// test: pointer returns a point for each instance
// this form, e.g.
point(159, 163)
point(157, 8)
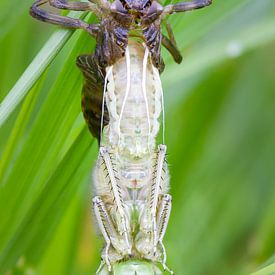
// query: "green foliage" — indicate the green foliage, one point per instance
point(220, 137)
point(266, 270)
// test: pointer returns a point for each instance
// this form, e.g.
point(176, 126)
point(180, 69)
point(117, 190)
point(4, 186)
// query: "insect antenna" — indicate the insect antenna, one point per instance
point(109, 71)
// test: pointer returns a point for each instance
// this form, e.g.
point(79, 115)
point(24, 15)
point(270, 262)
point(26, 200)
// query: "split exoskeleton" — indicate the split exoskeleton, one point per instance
point(119, 21)
point(122, 101)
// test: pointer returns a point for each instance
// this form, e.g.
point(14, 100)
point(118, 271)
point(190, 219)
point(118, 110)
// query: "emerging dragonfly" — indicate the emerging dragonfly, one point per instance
point(122, 101)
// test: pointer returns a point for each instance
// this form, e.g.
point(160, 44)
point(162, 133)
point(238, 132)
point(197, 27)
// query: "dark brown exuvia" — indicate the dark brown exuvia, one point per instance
point(119, 20)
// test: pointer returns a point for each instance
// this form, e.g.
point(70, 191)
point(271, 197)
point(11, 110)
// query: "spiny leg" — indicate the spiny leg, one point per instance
point(105, 226)
point(185, 6)
point(155, 215)
point(148, 220)
point(162, 222)
point(56, 19)
point(115, 189)
point(155, 190)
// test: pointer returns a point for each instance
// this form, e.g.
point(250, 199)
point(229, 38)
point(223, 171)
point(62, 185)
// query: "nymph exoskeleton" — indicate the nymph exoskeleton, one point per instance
point(122, 101)
point(119, 21)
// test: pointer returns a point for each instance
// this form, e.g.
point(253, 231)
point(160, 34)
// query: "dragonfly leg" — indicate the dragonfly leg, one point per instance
point(76, 6)
point(106, 227)
point(185, 6)
point(172, 48)
point(60, 20)
point(170, 43)
point(122, 220)
point(165, 205)
point(170, 33)
point(155, 190)
point(148, 238)
point(96, 6)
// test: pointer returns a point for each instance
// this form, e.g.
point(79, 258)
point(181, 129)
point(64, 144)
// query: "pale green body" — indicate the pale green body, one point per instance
point(131, 177)
point(133, 268)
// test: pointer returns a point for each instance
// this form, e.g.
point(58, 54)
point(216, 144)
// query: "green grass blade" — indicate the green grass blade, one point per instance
point(17, 133)
point(49, 151)
point(53, 199)
point(34, 71)
point(268, 270)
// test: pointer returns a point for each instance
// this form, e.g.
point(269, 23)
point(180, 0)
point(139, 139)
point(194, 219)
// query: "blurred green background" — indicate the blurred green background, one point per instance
point(220, 133)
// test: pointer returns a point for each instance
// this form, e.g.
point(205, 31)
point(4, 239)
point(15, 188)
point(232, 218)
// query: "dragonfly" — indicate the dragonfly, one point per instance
point(122, 102)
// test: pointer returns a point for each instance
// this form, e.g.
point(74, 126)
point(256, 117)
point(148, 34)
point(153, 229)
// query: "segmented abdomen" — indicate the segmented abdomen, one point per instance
point(134, 100)
point(92, 93)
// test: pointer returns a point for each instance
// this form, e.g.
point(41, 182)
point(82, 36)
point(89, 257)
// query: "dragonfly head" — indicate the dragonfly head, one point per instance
point(136, 5)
